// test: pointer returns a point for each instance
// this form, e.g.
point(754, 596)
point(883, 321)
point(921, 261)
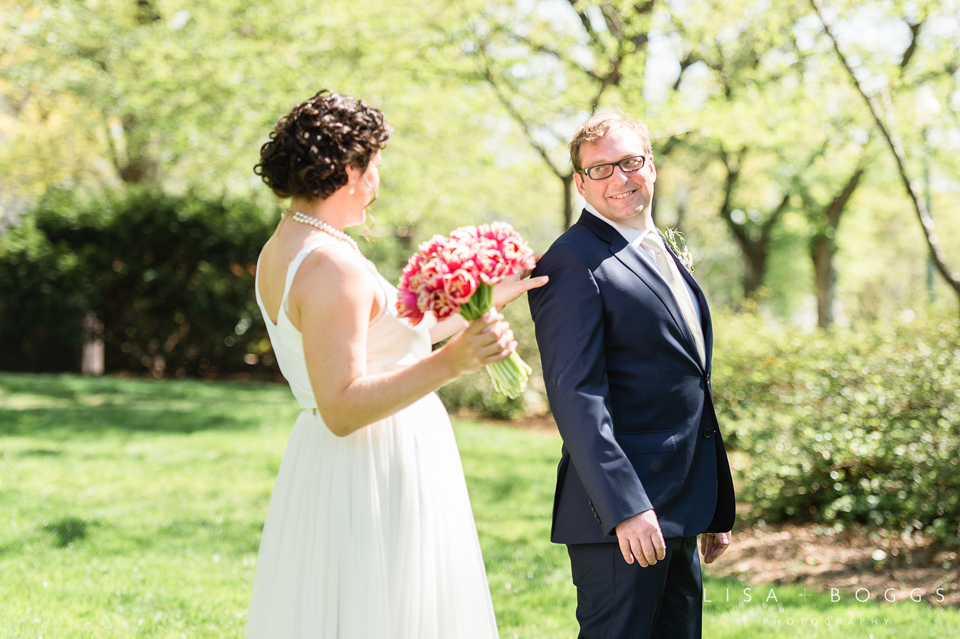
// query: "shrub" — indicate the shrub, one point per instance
point(42, 303)
point(170, 277)
point(847, 426)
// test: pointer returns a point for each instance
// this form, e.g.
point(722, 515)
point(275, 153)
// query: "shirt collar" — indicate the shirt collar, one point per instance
point(631, 235)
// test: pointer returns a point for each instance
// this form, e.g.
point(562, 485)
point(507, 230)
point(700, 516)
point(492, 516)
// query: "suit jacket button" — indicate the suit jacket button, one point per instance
point(707, 434)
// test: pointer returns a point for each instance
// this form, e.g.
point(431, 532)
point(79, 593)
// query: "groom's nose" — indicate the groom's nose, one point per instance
point(619, 176)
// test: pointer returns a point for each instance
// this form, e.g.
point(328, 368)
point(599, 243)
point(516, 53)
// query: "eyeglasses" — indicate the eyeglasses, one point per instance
point(627, 165)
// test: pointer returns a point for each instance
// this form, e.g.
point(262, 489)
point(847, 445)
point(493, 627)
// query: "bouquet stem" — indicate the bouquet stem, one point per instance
point(509, 376)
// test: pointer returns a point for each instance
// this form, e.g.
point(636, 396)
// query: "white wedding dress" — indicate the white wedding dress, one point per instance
point(369, 536)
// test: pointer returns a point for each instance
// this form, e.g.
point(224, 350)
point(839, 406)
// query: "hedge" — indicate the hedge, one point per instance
point(169, 277)
point(850, 426)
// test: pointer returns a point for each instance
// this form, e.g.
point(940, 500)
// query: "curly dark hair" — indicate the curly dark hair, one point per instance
point(310, 147)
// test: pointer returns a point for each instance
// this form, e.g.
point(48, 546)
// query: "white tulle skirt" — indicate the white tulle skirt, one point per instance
point(371, 536)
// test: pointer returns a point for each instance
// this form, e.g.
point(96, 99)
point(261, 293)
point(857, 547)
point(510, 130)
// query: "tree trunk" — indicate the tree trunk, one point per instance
point(653, 206)
point(756, 255)
point(133, 159)
point(754, 243)
point(91, 361)
point(683, 200)
point(823, 249)
point(823, 246)
point(567, 200)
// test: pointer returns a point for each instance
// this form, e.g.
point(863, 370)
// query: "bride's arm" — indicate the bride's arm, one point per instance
point(441, 330)
point(333, 300)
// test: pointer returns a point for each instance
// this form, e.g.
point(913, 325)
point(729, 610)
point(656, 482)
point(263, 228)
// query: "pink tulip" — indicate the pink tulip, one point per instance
point(459, 286)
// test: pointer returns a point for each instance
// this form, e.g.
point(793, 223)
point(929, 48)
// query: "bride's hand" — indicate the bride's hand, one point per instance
point(485, 341)
point(513, 287)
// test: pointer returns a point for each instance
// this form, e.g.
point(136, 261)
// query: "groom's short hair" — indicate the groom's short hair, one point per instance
point(599, 125)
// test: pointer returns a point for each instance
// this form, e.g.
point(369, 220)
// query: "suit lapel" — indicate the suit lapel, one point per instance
point(706, 324)
point(629, 257)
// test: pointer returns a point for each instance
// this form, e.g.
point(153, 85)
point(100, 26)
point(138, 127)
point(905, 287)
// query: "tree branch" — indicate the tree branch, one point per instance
point(685, 64)
point(912, 47)
point(726, 207)
point(539, 47)
point(839, 203)
point(588, 27)
point(674, 140)
point(609, 80)
point(616, 25)
point(112, 148)
point(926, 222)
point(524, 125)
point(777, 213)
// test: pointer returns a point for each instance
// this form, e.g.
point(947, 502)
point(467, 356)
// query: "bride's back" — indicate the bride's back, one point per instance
point(275, 259)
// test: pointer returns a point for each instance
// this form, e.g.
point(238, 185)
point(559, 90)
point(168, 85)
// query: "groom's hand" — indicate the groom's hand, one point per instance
point(712, 545)
point(640, 538)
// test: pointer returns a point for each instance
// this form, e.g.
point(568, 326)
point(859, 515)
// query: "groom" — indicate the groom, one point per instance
point(625, 339)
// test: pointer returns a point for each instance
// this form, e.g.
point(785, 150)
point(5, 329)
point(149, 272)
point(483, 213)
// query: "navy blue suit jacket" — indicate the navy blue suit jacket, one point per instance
point(630, 396)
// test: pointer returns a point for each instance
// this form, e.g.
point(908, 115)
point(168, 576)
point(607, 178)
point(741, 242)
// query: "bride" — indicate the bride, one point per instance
point(369, 532)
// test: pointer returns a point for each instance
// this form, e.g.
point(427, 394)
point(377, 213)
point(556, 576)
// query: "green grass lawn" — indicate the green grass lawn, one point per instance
point(132, 508)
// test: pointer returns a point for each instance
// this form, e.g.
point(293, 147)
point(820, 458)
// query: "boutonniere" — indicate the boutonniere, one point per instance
point(678, 244)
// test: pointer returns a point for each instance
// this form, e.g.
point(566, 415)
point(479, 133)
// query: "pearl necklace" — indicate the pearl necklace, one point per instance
point(326, 228)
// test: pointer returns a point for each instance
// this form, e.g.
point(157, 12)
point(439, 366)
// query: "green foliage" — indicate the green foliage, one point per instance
point(847, 426)
point(92, 95)
point(171, 278)
point(482, 92)
point(41, 304)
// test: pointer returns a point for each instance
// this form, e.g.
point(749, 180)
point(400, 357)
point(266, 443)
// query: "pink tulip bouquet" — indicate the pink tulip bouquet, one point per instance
point(457, 273)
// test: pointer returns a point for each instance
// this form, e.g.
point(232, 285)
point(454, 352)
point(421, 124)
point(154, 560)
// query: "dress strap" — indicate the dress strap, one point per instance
point(295, 265)
point(256, 280)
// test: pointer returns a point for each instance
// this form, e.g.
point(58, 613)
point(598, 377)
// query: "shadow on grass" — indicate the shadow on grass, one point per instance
point(81, 419)
point(41, 452)
point(67, 531)
point(69, 386)
point(62, 404)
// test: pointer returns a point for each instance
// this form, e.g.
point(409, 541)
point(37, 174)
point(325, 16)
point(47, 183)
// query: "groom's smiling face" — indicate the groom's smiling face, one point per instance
point(622, 197)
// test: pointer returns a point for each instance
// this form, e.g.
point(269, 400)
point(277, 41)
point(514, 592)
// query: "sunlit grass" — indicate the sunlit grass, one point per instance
point(132, 508)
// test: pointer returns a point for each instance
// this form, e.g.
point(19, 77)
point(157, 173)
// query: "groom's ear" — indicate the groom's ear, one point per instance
point(578, 180)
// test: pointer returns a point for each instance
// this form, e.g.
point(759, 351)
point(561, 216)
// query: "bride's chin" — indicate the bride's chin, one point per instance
point(357, 221)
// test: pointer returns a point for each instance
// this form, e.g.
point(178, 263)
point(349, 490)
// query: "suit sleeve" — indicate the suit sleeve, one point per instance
point(568, 315)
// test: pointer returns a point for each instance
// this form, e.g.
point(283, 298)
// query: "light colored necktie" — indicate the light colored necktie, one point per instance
point(671, 275)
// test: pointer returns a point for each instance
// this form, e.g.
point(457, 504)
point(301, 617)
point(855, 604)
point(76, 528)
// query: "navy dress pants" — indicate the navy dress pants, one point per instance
point(617, 600)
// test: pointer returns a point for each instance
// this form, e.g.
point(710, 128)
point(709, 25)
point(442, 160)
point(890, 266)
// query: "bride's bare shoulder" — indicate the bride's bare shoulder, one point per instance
point(332, 272)
point(331, 263)
point(328, 270)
